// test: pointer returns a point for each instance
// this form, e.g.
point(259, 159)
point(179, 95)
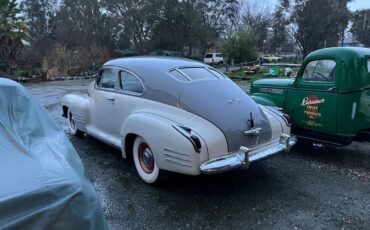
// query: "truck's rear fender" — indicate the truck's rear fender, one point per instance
point(78, 105)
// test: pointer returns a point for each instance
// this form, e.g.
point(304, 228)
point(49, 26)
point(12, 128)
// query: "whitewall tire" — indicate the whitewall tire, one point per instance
point(144, 161)
point(72, 125)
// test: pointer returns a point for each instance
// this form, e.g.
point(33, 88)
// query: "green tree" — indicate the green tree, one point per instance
point(319, 23)
point(79, 19)
point(135, 18)
point(241, 46)
point(12, 30)
point(38, 14)
point(172, 24)
point(279, 23)
point(361, 26)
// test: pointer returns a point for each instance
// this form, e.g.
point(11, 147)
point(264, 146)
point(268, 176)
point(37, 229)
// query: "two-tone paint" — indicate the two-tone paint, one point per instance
point(186, 123)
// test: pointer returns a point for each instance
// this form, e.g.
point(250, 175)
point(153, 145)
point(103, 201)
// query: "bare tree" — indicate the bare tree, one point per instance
point(257, 16)
point(361, 26)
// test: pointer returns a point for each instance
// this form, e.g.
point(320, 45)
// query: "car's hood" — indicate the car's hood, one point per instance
point(275, 82)
point(228, 107)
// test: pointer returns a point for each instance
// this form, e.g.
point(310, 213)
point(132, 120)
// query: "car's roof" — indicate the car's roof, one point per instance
point(153, 63)
point(154, 74)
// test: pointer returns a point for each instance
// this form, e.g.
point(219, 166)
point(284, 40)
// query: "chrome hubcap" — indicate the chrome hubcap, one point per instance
point(146, 158)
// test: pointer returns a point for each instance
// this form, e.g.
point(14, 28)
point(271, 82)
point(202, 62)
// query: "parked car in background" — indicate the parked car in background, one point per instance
point(43, 184)
point(177, 115)
point(329, 100)
point(270, 58)
point(214, 58)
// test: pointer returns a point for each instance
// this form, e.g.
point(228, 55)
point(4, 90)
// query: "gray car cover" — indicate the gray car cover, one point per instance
point(43, 184)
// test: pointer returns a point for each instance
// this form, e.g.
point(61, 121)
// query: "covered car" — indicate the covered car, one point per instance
point(178, 115)
point(43, 184)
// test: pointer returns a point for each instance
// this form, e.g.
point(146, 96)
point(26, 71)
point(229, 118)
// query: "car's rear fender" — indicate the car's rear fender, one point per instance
point(173, 151)
point(79, 106)
point(279, 123)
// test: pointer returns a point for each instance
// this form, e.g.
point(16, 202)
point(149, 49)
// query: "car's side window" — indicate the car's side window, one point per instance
point(130, 83)
point(319, 70)
point(107, 79)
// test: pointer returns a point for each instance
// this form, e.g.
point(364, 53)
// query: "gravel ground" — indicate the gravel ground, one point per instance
point(309, 188)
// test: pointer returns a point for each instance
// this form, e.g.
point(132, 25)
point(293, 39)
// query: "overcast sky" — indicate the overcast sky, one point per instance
point(354, 5)
point(359, 4)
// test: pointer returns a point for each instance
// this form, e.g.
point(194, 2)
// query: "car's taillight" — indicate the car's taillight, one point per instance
point(188, 134)
point(287, 119)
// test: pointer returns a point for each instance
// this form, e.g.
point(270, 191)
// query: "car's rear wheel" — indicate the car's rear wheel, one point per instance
point(145, 163)
point(72, 125)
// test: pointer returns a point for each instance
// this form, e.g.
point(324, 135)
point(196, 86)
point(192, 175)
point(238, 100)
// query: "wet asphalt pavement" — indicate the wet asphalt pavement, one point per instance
point(309, 188)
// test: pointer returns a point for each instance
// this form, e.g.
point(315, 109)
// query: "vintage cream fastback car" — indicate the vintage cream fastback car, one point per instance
point(178, 115)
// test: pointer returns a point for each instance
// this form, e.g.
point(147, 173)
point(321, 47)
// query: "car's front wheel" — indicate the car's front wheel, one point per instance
point(72, 125)
point(145, 163)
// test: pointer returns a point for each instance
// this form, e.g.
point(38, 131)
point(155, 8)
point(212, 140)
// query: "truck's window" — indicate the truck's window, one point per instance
point(320, 70)
point(130, 83)
point(107, 79)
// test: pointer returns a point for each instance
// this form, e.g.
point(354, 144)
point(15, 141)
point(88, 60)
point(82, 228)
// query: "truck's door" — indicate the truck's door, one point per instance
point(312, 100)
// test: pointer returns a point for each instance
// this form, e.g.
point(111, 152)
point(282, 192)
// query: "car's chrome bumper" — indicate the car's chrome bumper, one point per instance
point(245, 156)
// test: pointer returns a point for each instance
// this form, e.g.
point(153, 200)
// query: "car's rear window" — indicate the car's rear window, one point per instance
point(179, 76)
point(195, 73)
point(208, 56)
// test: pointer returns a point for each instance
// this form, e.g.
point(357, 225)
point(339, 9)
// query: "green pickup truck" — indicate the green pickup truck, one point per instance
point(329, 100)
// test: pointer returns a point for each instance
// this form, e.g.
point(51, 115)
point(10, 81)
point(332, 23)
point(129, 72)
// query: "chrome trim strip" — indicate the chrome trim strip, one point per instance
point(174, 162)
point(80, 119)
point(177, 152)
point(177, 158)
point(184, 74)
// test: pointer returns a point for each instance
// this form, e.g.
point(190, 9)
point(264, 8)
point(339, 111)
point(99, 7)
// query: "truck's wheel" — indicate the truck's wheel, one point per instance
point(72, 125)
point(145, 163)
